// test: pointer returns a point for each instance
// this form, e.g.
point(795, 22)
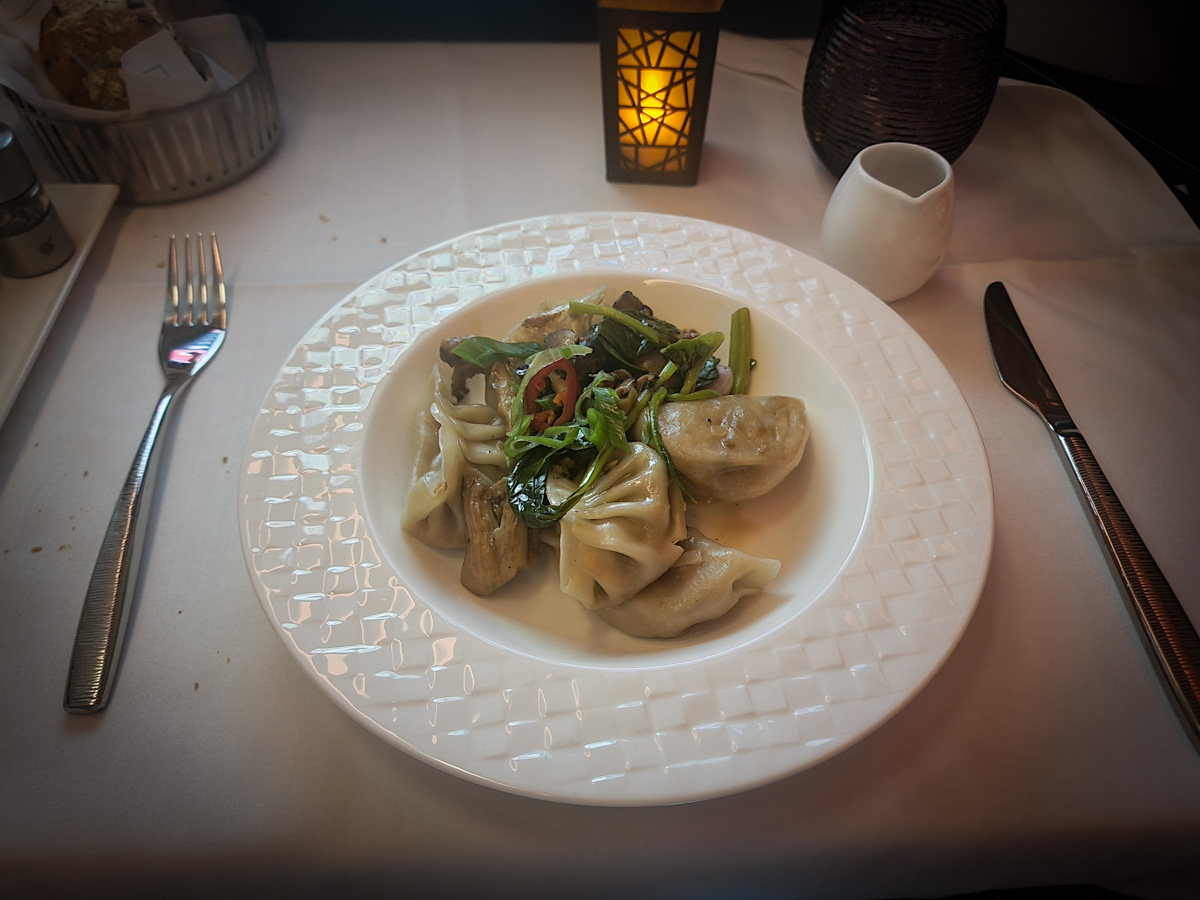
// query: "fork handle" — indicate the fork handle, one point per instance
point(101, 631)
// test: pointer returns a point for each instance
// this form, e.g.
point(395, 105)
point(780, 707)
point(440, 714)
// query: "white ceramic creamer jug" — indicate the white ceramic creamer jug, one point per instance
point(888, 222)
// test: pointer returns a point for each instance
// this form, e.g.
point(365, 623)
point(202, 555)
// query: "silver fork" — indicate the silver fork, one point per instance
point(192, 333)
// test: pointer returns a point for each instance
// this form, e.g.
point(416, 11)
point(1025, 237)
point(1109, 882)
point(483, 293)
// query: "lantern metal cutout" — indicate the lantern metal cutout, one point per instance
point(656, 61)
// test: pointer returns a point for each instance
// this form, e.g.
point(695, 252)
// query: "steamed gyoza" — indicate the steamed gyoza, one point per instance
point(584, 433)
point(623, 533)
point(703, 584)
point(452, 438)
point(735, 447)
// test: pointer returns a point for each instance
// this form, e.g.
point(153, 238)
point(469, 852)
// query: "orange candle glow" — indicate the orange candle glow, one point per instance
point(656, 96)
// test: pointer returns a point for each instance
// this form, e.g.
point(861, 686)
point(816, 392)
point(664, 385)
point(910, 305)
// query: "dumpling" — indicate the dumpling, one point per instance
point(623, 533)
point(705, 582)
point(451, 437)
point(736, 447)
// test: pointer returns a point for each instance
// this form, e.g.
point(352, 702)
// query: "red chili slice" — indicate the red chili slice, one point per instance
point(565, 399)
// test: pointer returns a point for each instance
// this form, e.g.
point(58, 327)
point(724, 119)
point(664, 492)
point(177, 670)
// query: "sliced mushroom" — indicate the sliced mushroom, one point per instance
point(499, 545)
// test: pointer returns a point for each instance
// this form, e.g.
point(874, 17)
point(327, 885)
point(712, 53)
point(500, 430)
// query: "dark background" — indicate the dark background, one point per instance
point(493, 20)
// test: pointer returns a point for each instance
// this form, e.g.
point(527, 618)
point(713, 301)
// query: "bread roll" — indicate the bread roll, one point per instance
point(82, 42)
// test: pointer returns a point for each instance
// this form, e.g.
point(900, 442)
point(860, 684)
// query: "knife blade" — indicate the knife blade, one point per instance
point(1168, 634)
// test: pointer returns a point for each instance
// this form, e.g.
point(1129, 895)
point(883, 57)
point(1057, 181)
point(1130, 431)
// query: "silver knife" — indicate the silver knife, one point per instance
point(1169, 634)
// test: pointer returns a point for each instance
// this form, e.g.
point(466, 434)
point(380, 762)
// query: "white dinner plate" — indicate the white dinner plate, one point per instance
point(884, 530)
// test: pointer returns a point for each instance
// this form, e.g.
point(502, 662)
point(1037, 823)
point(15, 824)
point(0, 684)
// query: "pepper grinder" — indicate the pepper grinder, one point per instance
point(33, 240)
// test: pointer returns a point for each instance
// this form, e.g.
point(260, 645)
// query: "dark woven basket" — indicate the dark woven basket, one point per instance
point(920, 71)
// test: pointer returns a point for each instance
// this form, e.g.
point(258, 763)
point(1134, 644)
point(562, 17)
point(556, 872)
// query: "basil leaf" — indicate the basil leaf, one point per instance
point(483, 351)
point(527, 490)
point(527, 486)
point(656, 331)
point(627, 336)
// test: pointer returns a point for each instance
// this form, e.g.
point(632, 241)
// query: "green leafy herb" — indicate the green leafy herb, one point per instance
point(655, 440)
point(628, 336)
point(483, 351)
point(690, 356)
point(527, 486)
point(643, 325)
point(527, 490)
point(606, 421)
point(580, 448)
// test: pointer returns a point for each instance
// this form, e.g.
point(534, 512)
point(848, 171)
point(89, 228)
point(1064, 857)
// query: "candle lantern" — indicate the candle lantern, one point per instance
point(656, 62)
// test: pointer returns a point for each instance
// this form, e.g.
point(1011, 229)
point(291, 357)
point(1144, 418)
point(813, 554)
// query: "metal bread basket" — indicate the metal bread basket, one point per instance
point(173, 155)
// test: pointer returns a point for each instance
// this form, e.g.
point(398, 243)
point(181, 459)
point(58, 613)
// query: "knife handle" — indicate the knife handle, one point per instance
point(1168, 633)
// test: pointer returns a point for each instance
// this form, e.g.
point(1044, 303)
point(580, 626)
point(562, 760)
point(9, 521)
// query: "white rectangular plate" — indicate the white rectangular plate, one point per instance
point(29, 306)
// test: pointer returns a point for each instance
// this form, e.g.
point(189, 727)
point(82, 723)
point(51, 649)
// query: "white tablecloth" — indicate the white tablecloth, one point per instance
point(1044, 752)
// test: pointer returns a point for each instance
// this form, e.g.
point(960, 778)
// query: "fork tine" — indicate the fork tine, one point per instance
point(172, 313)
point(219, 281)
point(201, 313)
point(190, 279)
